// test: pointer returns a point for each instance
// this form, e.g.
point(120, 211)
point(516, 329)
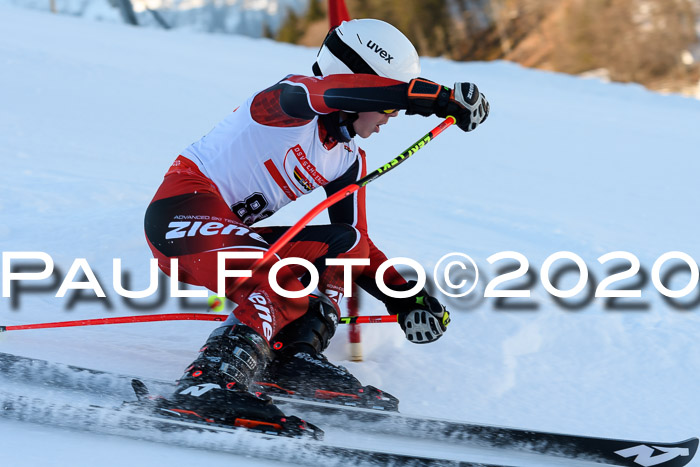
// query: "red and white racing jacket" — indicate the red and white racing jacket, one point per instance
point(273, 149)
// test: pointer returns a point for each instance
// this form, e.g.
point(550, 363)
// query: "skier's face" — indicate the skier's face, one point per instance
point(369, 122)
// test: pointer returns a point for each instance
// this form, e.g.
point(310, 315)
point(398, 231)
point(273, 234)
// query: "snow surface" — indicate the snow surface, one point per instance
point(93, 114)
point(247, 17)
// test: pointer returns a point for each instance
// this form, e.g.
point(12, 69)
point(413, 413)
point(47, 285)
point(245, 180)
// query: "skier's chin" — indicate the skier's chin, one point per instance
point(367, 134)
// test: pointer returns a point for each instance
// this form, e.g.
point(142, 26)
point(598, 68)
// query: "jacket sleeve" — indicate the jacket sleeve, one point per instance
point(297, 99)
point(306, 97)
point(351, 210)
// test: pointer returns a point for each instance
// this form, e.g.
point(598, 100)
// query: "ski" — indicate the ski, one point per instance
point(595, 449)
point(138, 424)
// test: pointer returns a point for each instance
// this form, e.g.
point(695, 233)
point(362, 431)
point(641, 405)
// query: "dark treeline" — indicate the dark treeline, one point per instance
point(634, 40)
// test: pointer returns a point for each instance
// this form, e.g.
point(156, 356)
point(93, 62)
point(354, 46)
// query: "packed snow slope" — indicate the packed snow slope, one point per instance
point(93, 114)
point(246, 17)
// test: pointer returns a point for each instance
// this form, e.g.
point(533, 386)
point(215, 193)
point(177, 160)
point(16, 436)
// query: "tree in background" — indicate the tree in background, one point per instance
point(295, 29)
point(427, 23)
point(633, 40)
point(291, 30)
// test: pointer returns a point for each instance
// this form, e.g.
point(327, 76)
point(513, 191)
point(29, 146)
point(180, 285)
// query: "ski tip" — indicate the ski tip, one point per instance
point(690, 446)
point(659, 454)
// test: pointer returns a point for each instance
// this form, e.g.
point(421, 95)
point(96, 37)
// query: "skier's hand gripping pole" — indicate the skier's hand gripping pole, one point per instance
point(464, 101)
point(339, 195)
point(422, 317)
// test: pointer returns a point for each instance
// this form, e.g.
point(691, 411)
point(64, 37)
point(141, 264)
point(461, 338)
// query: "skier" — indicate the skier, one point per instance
point(282, 143)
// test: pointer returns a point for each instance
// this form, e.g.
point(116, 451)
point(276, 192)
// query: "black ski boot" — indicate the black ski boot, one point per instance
point(214, 388)
point(300, 370)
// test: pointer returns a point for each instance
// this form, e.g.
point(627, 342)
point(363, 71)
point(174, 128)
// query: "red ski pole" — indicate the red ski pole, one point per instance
point(347, 191)
point(118, 320)
point(274, 248)
point(169, 317)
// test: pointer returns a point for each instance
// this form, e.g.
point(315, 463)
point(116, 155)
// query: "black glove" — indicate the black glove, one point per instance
point(465, 103)
point(422, 317)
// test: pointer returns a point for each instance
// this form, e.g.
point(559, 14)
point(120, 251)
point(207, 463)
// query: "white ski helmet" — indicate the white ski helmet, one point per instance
point(368, 46)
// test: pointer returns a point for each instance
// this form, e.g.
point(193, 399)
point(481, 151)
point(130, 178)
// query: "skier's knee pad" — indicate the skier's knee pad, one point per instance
point(314, 329)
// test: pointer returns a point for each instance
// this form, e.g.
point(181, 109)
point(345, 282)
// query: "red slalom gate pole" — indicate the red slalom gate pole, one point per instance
point(167, 317)
point(347, 191)
point(354, 334)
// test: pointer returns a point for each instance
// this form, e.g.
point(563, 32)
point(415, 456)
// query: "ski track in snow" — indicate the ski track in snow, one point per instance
point(94, 113)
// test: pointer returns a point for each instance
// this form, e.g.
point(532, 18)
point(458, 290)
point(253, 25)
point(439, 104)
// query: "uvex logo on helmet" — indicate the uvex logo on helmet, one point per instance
point(360, 46)
point(380, 51)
